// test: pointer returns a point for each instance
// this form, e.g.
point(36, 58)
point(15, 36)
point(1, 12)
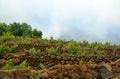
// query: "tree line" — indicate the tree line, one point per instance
point(19, 29)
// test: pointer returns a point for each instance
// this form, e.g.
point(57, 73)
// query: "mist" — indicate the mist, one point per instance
point(92, 20)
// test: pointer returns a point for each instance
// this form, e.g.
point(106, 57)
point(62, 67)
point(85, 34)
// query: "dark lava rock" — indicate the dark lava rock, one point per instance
point(105, 71)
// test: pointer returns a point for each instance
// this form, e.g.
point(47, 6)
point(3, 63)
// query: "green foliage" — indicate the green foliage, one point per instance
point(3, 28)
point(81, 62)
point(27, 33)
point(10, 49)
point(42, 66)
point(9, 65)
point(24, 40)
point(15, 29)
point(118, 60)
point(19, 29)
point(52, 50)
point(23, 65)
point(32, 51)
point(73, 47)
point(51, 38)
point(27, 29)
point(85, 41)
point(100, 53)
point(107, 44)
point(91, 46)
point(2, 49)
point(90, 62)
point(37, 33)
point(60, 42)
point(35, 76)
point(7, 37)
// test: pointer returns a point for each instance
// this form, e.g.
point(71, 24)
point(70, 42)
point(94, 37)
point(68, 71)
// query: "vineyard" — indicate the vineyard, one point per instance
point(37, 58)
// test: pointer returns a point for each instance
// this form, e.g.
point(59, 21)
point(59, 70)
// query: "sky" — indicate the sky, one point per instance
point(92, 20)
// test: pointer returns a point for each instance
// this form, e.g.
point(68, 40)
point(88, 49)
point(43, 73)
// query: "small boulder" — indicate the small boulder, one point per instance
point(2, 62)
point(88, 75)
point(45, 75)
point(16, 61)
point(6, 74)
point(105, 71)
point(83, 68)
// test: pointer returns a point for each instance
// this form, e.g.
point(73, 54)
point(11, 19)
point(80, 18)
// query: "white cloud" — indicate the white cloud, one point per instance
point(94, 17)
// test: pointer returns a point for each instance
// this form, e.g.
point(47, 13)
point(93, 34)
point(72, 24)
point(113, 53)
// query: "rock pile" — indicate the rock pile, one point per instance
point(51, 60)
point(85, 71)
point(16, 74)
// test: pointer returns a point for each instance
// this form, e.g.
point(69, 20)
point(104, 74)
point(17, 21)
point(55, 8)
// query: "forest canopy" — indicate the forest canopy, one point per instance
point(19, 29)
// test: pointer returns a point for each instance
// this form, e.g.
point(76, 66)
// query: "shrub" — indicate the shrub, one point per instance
point(9, 65)
point(91, 46)
point(32, 51)
point(90, 62)
point(81, 62)
point(107, 44)
point(42, 66)
point(52, 50)
point(23, 65)
point(7, 37)
point(73, 47)
point(23, 40)
point(10, 49)
point(1, 49)
point(100, 52)
point(118, 60)
point(13, 48)
point(60, 42)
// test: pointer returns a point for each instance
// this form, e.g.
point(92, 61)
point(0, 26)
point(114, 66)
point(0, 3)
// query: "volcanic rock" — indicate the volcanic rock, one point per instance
point(2, 62)
point(105, 71)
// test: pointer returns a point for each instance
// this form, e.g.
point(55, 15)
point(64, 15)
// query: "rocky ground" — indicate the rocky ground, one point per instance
point(85, 71)
point(61, 66)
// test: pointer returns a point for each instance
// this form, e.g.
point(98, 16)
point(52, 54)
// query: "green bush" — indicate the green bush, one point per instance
point(73, 47)
point(90, 62)
point(9, 65)
point(91, 45)
point(60, 42)
point(100, 53)
point(1, 49)
point(13, 48)
point(42, 66)
point(118, 60)
point(107, 44)
point(23, 65)
point(81, 62)
point(52, 50)
point(7, 37)
point(32, 51)
point(10, 49)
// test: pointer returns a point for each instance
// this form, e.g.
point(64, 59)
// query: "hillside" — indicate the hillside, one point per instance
point(37, 58)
